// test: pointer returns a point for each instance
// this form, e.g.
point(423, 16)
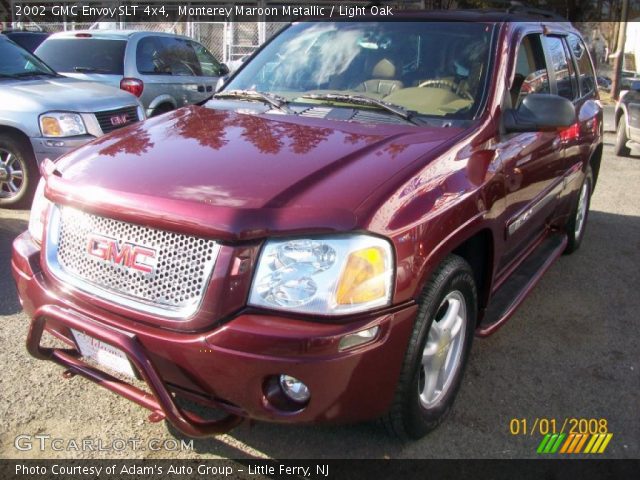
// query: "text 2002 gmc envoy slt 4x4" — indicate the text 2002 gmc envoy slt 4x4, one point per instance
point(323, 239)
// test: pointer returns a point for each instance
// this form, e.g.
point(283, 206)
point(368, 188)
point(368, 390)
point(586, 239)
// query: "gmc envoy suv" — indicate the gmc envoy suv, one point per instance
point(323, 239)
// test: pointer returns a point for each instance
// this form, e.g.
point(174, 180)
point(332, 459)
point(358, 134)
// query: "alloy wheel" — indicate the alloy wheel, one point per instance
point(11, 174)
point(443, 350)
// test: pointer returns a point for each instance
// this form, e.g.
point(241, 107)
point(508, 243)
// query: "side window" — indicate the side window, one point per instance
point(531, 72)
point(148, 57)
point(166, 55)
point(562, 67)
point(209, 66)
point(181, 57)
point(585, 68)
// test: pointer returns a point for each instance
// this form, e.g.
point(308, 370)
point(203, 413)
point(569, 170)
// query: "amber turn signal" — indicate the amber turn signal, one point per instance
point(363, 278)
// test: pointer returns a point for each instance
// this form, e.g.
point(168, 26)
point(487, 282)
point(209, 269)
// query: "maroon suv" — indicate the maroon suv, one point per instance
point(323, 239)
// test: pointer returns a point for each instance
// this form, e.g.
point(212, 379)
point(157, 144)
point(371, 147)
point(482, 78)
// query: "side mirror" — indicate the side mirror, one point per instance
point(540, 111)
point(224, 69)
point(635, 86)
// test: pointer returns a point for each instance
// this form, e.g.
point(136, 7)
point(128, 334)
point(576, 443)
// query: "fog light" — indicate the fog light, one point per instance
point(294, 389)
point(358, 338)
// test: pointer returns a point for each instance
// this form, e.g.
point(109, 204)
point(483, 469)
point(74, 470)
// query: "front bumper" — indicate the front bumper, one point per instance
point(230, 366)
point(53, 148)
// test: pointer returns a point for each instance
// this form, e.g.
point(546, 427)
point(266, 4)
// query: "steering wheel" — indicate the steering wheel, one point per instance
point(447, 84)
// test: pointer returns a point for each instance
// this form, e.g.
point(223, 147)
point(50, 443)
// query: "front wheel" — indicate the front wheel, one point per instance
point(437, 353)
point(18, 172)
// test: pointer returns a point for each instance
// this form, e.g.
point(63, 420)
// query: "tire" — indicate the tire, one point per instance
point(18, 172)
point(620, 147)
point(414, 411)
point(160, 109)
point(577, 223)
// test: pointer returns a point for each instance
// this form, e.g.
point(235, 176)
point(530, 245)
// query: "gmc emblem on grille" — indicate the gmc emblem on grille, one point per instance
point(118, 120)
point(129, 255)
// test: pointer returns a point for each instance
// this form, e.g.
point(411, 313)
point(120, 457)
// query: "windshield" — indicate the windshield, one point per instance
point(84, 55)
point(17, 62)
point(431, 68)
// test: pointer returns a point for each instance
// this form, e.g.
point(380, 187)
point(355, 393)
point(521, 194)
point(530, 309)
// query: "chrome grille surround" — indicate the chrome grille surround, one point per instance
point(104, 118)
point(173, 290)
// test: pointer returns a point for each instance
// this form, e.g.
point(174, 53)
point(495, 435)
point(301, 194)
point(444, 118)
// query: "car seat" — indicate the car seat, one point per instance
point(384, 80)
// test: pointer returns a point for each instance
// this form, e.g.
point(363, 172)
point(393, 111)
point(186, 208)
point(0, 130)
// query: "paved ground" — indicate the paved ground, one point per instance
point(572, 350)
point(609, 120)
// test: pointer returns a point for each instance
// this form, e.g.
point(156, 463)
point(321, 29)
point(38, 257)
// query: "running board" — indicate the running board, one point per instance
point(515, 289)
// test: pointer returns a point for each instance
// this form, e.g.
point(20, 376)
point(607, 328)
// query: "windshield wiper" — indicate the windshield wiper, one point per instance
point(90, 70)
point(274, 100)
point(367, 102)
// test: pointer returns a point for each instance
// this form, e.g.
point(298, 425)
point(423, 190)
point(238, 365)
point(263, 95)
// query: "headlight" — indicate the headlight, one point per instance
point(39, 210)
point(61, 124)
point(326, 275)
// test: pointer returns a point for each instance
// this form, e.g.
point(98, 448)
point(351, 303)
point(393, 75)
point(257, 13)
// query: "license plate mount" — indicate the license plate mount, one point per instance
point(103, 354)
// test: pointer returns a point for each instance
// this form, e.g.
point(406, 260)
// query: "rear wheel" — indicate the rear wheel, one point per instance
point(437, 352)
point(18, 172)
point(621, 148)
point(578, 221)
point(160, 109)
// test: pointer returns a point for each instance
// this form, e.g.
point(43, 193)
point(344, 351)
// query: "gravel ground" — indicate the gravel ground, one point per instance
point(570, 351)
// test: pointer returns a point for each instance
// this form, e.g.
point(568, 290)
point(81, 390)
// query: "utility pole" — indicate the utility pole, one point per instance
point(619, 55)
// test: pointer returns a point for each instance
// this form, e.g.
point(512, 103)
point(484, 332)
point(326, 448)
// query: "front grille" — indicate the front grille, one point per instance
point(174, 288)
point(111, 120)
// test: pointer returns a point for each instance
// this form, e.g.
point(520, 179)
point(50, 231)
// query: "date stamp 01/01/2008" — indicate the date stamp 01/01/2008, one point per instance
point(565, 436)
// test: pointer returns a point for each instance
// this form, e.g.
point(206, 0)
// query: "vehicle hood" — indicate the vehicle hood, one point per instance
point(62, 93)
point(242, 175)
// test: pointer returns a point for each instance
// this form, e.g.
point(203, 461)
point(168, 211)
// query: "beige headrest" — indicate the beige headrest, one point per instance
point(384, 69)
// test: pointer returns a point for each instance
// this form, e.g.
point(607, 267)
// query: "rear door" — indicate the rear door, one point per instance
point(580, 140)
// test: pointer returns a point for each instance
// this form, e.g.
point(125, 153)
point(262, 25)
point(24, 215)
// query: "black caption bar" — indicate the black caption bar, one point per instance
point(47, 11)
point(89, 11)
point(319, 469)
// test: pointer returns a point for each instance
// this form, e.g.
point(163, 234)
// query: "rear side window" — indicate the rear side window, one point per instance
point(167, 56)
point(84, 55)
point(209, 66)
point(531, 72)
point(562, 67)
point(586, 76)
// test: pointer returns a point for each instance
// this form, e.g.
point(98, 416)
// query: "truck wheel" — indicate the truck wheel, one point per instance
point(577, 222)
point(18, 172)
point(437, 353)
point(160, 109)
point(621, 148)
